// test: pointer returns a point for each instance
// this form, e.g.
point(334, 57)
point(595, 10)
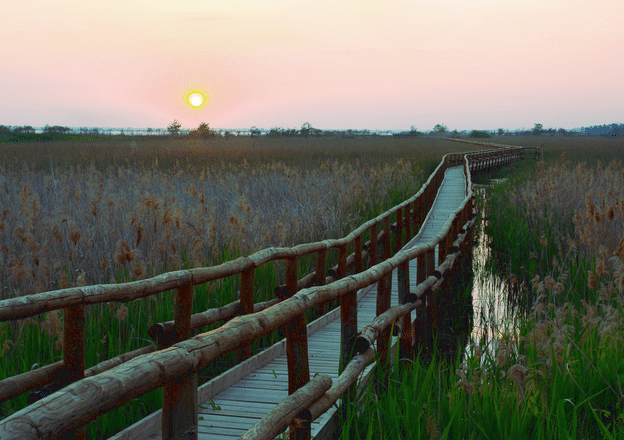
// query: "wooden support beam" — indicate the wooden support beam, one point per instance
point(399, 231)
point(348, 315)
point(180, 412)
point(73, 355)
point(247, 292)
point(296, 348)
point(407, 219)
point(296, 336)
point(348, 327)
point(374, 233)
point(384, 299)
point(321, 275)
point(342, 262)
point(404, 289)
point(357, 244)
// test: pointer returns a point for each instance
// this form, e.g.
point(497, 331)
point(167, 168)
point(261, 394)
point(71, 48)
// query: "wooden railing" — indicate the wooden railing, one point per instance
point(88, 394)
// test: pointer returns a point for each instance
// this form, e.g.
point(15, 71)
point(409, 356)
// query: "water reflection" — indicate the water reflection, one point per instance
point(493, 313)
point(477, 308)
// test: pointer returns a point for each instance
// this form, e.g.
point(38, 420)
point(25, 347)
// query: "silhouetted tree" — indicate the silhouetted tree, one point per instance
point(538, 129)
point(174, 127)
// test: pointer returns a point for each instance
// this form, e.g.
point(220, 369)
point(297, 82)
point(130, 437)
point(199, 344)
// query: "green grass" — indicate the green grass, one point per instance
point(556, 372)
point(115, 328)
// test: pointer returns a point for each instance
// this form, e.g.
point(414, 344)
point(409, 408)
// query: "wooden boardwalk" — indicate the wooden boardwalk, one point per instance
point(232, 402)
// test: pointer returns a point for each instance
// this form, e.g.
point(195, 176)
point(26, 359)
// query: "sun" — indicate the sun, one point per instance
point(196, 99)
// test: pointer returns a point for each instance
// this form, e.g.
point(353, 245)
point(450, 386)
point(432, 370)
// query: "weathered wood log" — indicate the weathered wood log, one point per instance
point(247, 292)
point(296, 336)
point(358, 255)
point(374, 252)
point(73, 356)
point(399, 231)
point(163, 332)
point(384, 299)
point(340, 385)
point(369, 334)
point(20, 383)
point(180, 412)
point(348, 327)
point(288, 410)
point(30, 305)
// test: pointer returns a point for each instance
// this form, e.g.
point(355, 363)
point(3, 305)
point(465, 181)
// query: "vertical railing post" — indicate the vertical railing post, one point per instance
point(404, 288)
point(348, 313)
point(422, 322)
point(416, 215)
point(357, 245)
point(444, 248)
point(73, 355)
point(180, 412)
point(399, 231)
point(384, 289)
point(407, 217)
point(342, 261)
point(247, 292)
point(296, 348)
point(432, 302)
point(321, 275)
point(431, 320)
point(374, 234)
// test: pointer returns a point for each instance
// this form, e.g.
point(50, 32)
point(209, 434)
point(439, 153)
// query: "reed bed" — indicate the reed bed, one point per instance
point(557, 236)
point(79, 213)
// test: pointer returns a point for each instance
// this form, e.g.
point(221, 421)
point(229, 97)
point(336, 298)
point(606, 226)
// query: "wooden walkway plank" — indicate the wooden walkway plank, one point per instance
point(258, 384)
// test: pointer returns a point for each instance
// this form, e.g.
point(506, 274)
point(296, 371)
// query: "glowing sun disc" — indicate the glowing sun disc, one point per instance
point(196, 99)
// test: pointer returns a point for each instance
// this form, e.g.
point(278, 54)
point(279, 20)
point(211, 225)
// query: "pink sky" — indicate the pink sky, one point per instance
point(337, 64)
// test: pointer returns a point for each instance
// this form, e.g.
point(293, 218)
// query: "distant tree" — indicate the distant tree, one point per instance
point(56, 129)
point(203, 131)
point(276, 132)
point(479, 134)
point(305, 130)
point(255, 132)
point(414, 132)
point(174, 127)
point(26, 129)
point(440, 128)
point(538, 129)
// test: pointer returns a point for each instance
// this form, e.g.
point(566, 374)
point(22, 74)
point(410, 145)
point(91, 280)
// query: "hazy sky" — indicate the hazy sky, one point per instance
point(480, 64)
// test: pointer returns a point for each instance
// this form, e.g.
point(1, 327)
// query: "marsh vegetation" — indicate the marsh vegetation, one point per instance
point(555, 370)
point(111, 211)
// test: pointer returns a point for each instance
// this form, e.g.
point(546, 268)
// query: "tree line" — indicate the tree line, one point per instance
point(28, 133)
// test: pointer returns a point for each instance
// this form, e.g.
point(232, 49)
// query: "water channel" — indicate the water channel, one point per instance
point(493, 313)
point(479, 311)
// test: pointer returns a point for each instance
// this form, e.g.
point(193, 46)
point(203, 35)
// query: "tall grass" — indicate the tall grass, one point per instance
point(113, 211)
point(557, 370)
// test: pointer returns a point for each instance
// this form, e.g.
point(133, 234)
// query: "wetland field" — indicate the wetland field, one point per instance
point(548, 359)
point(115, 210)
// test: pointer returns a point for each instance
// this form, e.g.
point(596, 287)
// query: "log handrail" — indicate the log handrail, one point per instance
point(82, 401)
